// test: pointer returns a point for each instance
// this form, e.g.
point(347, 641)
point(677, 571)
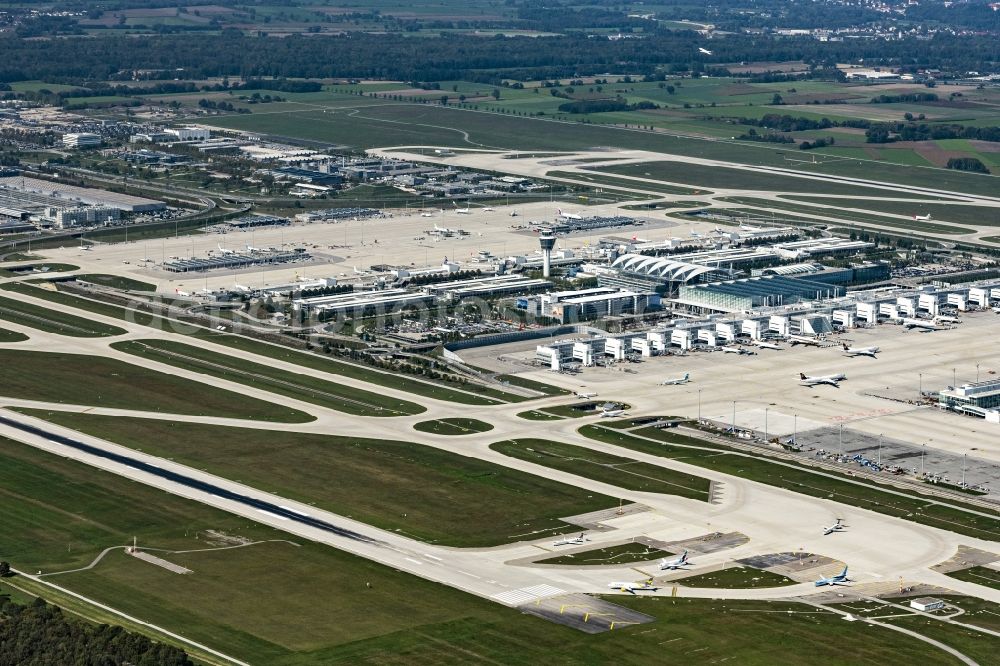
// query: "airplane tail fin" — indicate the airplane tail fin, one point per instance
point(802, 375)
point(846, 347)
point(686, 375)
point(843, 574)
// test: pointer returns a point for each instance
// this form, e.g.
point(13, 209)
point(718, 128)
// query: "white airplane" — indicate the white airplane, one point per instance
point(225, 251)
point(251, 248)
point(181, 293)
point(487, 209)
point(675, 563)
point(632, 588)
point(585, 396)
point(832, 380)
point(743, 351)
point(922, 217)
point(568, 216)
point(860, 351)
point(427, 215)
point(240, 288)
point(836, 527)
point(571, 541)
point(766, 345)
point(462, 211)
point(839, 579)
point(922, 324)
point(704, 51)
point(947, 319)
point(695, 234)
point(803, 340)
point(676, 380)
point(611, 413)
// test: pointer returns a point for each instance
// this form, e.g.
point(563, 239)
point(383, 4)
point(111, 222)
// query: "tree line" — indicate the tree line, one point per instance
point(40, 634)
point(452, 57)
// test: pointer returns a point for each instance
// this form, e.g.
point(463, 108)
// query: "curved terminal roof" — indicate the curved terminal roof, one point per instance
point(793, 269)
point(661, 267)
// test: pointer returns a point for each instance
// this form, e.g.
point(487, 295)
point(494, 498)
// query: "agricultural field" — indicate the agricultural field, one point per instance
point(438, 497)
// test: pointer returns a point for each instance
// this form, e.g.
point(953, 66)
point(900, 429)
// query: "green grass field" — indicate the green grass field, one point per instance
point(979, 576)
point(319, 610)
point(379, 123)
point(800, 479)
point(282, 382)
point(52, 320)
point(626, 553)
point(861, 219)
point(524, 382)
point(572, 410)
point(945, 212)
point(617, 471)
point(435, 496)
point(601, 181)
point(116, 282)
point(711, 176)
point(11, 336)
point(453, 426)
point(468, 394)
point(80, 379)
point(735, 578)
point(537, 415)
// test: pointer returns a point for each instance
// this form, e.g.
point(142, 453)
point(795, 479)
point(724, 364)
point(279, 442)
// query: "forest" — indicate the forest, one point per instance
point(452, 57)
point(40, 634)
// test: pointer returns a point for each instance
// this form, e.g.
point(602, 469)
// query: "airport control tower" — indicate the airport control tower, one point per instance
point(547, 241)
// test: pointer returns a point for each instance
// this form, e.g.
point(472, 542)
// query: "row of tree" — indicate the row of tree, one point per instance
point(453, 57)
point(40, 635)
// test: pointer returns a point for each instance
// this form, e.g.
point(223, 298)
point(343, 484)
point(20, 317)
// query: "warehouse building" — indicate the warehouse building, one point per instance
point(47, 193)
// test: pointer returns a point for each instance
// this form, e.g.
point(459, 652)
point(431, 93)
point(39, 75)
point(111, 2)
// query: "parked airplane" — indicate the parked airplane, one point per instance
point(738, 350)
point(832, 380)
point(251, 248)
point(427, 215)
point(704, 51)
point(568, 216)
point(923, 324)
point(922, 217)
point(675, 563)
point(487, 209)
point(836, 527)
point(181, 293)
point(462, 211)
point(611, 413)
point(766, 345)
point(839, 579)
point(947, 319)
point(585, 396)
point(571, 541)
point(803, 340)
point(695, 234)
point(225, 251)
point(676, 380)
point(632, 588)
point(860, 351)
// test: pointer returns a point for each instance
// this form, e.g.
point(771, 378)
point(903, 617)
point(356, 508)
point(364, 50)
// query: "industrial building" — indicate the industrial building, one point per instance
point(37, 193)
point(189, 133)
point(330, 214)
point(81, 140)
point(82, 216)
